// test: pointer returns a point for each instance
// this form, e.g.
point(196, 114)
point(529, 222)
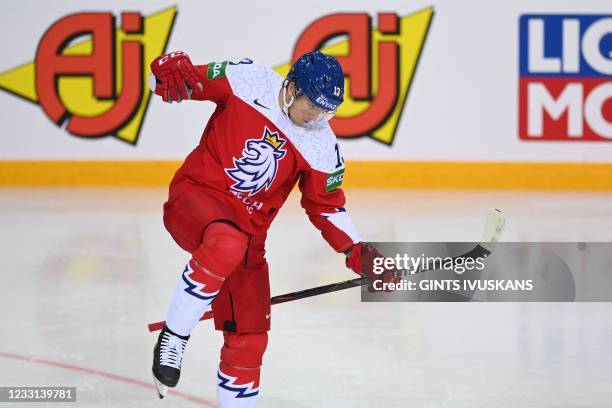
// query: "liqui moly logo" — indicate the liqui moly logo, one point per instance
point(565, 84)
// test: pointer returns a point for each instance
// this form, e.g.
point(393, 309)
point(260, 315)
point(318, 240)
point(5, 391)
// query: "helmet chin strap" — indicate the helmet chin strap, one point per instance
point(286, 104)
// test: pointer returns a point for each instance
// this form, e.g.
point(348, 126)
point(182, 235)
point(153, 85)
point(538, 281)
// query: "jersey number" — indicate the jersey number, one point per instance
point(242, 61)
point(339, 158)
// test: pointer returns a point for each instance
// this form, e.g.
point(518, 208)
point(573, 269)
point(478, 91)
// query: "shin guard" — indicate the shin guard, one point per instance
point(238, 375)
point(222, 248)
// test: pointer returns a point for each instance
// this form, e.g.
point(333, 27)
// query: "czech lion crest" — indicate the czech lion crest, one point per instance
point(257, 167)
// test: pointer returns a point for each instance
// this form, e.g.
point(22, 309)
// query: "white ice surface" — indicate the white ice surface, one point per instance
point(84, 271)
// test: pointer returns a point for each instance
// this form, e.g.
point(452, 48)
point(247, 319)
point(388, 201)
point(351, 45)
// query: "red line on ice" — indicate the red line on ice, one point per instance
point(105, 374)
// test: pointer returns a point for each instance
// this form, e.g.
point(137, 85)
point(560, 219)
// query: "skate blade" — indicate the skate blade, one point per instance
point(162, 389)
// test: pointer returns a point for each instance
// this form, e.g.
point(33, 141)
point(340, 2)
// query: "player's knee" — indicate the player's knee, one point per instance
point(223, 247)
point(244, 350)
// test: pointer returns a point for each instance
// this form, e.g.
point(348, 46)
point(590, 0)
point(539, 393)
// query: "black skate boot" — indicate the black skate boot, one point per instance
point(167, 358)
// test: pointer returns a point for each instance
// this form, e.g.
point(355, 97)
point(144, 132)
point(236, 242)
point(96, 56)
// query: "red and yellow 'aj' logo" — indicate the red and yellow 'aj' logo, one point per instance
point(378, 64)
point(97, 86)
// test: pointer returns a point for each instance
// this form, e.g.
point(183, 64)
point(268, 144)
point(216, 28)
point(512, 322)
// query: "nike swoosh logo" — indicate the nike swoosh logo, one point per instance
point(267, 315)
point(259, 104)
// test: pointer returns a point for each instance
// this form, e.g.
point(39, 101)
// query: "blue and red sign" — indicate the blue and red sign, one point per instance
point(565, 84)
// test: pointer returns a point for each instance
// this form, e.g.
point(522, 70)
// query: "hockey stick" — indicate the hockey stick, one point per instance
point(494, 228)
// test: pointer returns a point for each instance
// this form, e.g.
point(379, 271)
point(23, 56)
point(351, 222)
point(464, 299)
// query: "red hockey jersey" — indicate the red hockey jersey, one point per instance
point(251, 155)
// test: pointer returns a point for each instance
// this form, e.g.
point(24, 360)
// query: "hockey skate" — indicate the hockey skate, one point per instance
point(167, 359)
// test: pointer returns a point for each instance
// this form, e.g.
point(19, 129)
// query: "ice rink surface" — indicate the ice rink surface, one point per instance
point(85, 270)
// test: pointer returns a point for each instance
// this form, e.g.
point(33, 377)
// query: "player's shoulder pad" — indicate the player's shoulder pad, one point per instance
point(220, 69)
point(319, 147)
point(250, 80)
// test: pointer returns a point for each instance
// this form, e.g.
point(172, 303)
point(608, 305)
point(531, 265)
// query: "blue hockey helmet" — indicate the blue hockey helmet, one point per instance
point(318, 76)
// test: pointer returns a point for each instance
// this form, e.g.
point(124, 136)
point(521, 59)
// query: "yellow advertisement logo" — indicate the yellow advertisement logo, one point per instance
point(90, 76)
point(379, 65)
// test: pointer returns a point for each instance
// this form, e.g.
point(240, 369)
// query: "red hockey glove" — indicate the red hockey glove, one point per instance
point(360, 260)
point(175, 77)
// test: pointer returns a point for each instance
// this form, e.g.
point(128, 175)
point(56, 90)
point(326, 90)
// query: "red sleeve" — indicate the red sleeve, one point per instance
point(325, 209)
point(216, 87)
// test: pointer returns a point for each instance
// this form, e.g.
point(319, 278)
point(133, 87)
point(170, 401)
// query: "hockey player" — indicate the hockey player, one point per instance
point(266, 135)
